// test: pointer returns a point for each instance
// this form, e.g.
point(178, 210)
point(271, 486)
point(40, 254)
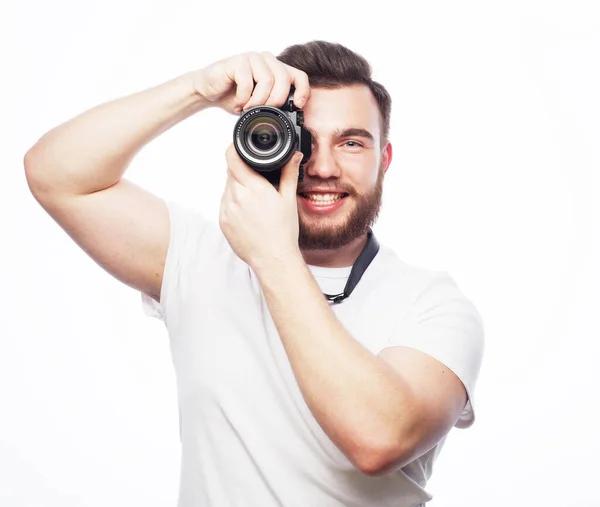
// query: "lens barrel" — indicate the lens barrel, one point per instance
point(265, 138)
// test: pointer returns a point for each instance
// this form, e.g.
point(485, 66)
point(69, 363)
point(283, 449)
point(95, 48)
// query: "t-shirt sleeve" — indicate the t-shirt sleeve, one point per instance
point(182, 222)
point(444, 324)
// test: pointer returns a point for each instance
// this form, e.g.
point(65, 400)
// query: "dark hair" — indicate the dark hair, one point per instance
point(331, 65)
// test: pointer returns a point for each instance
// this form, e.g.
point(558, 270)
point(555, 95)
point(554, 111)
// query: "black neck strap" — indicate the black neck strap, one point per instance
point(358, 268)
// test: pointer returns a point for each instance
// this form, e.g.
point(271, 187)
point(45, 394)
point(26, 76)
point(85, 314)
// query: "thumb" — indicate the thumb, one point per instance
point(288, 184)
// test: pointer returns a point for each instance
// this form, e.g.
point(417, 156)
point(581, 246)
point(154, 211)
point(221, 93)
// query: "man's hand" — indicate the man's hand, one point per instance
point(259, 221)
point(248, 80)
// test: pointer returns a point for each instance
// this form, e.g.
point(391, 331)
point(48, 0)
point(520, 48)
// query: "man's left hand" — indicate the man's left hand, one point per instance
point(259, 221)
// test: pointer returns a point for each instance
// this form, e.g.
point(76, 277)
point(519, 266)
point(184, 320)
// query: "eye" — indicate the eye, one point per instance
point(352, 144)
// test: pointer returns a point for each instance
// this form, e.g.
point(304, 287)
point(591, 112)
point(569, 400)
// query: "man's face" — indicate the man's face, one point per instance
point(346, 161)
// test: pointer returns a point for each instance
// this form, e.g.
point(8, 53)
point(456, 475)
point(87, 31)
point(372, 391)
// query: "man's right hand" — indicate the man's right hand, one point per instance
point(123, 227)
point(250, 79)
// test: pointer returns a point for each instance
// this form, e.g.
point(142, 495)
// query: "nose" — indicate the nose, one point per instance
point(322, 164)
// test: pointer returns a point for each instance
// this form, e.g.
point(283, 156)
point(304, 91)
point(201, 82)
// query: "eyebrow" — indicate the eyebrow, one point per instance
point(349, 132)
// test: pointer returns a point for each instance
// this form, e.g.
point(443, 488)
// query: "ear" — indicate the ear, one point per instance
point(386, 156)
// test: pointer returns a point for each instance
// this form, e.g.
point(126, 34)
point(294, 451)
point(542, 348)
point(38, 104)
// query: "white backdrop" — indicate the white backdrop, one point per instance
point(495, 178)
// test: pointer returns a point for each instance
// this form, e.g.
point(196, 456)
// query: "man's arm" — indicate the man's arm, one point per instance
point(75, 170)
point(381, 411)
point(75, 173)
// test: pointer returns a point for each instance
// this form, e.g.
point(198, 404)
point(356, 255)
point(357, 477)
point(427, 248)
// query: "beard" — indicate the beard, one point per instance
point(322, 232)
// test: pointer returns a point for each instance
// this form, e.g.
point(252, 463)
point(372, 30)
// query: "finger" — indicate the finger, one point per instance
point(300, 81)
point(235, 193)
point(283, 80)
point(230, 193)
point(230, 182)
point(224, 210)
point(264, 81)
point(288, 184)
point(226, 197)
point(242, 75)
point(239, 171)
point(232, 157)
point(234, 190)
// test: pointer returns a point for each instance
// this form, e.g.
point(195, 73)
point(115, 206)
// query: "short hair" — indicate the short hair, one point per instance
point(331, 65)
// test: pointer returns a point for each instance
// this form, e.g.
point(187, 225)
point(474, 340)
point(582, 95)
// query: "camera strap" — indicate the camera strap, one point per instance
point(358, 268)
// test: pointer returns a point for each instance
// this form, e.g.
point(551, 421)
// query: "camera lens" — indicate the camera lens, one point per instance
point(264, 136)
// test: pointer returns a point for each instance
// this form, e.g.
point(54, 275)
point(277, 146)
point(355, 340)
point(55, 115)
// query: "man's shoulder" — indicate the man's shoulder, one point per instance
point(397, 272)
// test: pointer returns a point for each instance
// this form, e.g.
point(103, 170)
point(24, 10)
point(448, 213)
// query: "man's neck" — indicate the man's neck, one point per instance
point(344, 257)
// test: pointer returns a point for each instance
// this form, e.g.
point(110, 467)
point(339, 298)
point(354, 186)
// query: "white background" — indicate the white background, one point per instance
point(495, 178)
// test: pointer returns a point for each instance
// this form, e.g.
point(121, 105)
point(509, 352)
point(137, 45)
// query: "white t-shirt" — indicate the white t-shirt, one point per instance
point(248, 437)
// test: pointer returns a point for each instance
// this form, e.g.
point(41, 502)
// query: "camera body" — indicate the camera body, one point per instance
point(267, 137)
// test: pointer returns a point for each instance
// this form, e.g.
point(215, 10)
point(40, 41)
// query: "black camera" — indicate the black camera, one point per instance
point(267, 137)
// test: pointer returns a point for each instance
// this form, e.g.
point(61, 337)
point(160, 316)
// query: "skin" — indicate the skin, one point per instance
point(353, 164)
point(382, 411)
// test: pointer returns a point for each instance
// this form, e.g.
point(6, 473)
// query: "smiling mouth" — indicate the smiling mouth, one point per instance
point(323, 198)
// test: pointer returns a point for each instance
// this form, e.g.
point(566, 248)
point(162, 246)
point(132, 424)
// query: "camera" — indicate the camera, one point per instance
point(266, 138)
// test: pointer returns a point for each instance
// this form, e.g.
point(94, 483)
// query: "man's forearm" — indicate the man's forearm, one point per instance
point(356, 397)
point(91, 151)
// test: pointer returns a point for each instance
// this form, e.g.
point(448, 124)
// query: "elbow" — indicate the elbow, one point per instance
point(30, 176)
point(398, 454)
point(30, 160)
point(38, 172)
point(382, 465)
point(378, 462)
point(30, 165)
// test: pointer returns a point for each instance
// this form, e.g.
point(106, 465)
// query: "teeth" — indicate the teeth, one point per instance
point(323, 198)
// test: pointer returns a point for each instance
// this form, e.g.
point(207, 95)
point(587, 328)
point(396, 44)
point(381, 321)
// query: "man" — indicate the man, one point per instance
point(285, 398)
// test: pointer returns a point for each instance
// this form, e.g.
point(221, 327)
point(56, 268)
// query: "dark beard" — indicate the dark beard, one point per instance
point(357, 223)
